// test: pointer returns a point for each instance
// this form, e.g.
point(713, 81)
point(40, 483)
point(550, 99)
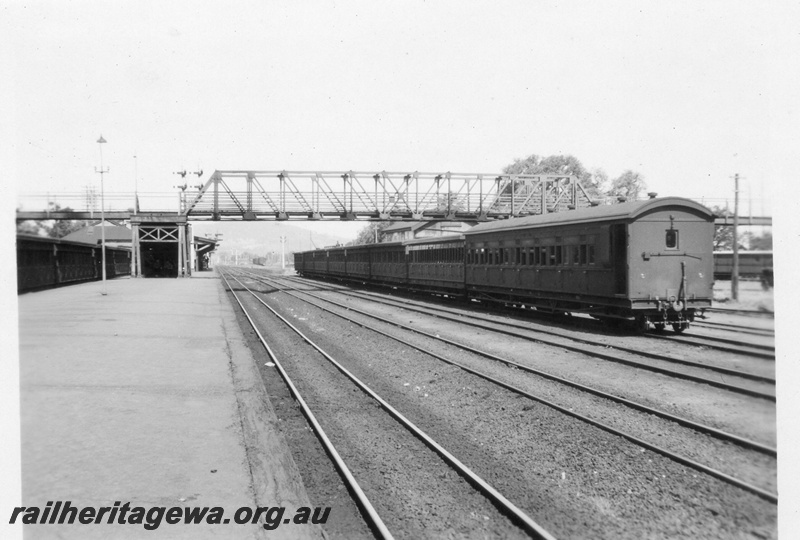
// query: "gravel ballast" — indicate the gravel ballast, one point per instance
point(576, 480)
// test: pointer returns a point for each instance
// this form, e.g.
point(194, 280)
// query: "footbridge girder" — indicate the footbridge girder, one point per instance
point(351, 195)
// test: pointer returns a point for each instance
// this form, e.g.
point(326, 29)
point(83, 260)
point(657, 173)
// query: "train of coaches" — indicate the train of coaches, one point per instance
point(47, 262)
point(650, 262)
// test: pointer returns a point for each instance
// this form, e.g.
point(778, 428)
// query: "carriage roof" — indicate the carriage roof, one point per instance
point(622, 211)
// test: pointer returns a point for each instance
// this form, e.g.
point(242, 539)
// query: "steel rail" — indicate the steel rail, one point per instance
point(694, 340)
point(745, 312)
point(654, 356)
point(735, 328)
point(372, 516)
point(596, 354)
point(766, 495)
point(512, 511)
point(742, 441)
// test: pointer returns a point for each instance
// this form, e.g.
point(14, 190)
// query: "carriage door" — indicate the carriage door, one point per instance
point(619, 257)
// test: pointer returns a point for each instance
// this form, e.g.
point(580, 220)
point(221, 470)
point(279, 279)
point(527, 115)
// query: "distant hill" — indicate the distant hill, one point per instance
point(262, 237)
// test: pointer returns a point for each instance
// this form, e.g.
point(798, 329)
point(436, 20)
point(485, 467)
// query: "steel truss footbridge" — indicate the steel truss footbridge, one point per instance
point(351, 195)
point(277, 195)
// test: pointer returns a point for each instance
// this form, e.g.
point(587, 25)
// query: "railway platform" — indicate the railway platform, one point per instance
point(148, 396)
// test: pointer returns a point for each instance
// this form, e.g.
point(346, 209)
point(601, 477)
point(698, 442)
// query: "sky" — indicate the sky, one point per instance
point(687, 93)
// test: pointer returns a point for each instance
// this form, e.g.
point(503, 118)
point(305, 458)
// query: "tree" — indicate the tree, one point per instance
point(449, 201)
point(31, 227)
point(61, 228)
point(592, 181)
point(54, 228)
point(761, 242)
point(368, 234)
point(598, 184)
point(629, 184)
point(723, 235)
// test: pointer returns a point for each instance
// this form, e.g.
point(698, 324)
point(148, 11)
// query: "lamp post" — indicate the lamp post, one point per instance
point(101, 141)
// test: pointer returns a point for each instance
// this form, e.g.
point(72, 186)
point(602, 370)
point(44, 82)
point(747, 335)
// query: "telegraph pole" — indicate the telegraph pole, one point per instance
point(101, 141)
point(735, 269)
point(283, 257)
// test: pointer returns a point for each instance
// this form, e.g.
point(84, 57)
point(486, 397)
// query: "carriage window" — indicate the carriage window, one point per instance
point(590, 254)
point(672, 239)
point(583, 254)
point(575, 254)
point(559, 259)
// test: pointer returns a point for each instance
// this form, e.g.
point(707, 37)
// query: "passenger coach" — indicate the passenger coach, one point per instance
point(650, 261)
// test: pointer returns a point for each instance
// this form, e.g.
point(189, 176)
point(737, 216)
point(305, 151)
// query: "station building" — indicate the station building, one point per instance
point(161, 245)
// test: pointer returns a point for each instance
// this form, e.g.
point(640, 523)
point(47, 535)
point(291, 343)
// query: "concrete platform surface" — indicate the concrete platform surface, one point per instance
point(148, 396)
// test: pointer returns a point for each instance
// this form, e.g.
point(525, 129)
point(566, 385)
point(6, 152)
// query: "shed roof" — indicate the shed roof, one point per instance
point(628, 210)
point(406, 226)
point(91, 234)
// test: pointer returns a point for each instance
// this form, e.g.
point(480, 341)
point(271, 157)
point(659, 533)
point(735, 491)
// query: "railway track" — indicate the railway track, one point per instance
point(745, 312)
point(763, 389)
point(736, 328)
point(713, 343)
point(671, 455)
point(506, 507)
point(754, 350)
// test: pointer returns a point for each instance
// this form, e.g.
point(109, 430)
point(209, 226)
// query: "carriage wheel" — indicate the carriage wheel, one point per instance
point(679, 327)
point(641, 324)
point(659, 326)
